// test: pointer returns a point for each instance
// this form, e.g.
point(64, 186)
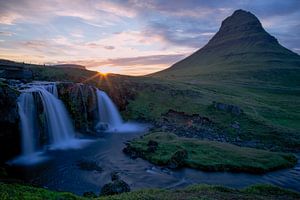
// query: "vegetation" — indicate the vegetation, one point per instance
point(263, 192)
point(208, 155)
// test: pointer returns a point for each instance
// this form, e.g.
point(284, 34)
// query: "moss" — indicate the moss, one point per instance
point(210, 156)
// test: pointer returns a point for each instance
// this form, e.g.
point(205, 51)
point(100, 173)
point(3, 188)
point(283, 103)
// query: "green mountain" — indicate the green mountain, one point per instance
point(240, 51)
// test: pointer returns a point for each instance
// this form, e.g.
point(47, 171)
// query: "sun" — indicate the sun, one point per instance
point(105, 70)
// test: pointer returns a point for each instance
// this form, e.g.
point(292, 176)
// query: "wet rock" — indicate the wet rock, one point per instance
point(178, 159)
point(152, 146)
point(89, 195)
point(100, 127)
point(131, 152)
point(114, 176)
point(9, 123)
point(235, 125)
point(89, 165)
point(117, 186)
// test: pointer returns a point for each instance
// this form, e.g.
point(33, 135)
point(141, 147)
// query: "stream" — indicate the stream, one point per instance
point(61, 172)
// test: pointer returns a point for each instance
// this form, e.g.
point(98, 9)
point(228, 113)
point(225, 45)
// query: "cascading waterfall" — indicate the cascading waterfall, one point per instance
point(110, 118)
point(27, 112)
point(108, 113)
point(57, 122)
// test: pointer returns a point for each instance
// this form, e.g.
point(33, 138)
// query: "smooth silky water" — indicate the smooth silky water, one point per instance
point(61, 172)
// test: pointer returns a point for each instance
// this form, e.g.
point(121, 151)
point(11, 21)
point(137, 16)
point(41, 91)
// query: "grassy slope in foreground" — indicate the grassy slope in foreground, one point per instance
point(263, 192)
point(210, 156)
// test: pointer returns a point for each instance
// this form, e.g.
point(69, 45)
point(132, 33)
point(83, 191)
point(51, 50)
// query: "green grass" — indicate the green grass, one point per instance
point(271, 109)
point(260, 192)
point(211, 156)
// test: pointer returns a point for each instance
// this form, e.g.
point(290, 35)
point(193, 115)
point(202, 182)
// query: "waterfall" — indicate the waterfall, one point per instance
point(27, 114)
point(58, 124)
point(108, 113)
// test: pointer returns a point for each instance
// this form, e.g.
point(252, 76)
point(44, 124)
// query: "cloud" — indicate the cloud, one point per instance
point(6, 33)
point(109, 47)
point(133, 34)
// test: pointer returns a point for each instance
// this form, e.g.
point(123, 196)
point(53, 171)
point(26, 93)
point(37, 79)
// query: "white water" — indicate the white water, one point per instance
point(109, 115)
point(57, 122)
point(27, 112)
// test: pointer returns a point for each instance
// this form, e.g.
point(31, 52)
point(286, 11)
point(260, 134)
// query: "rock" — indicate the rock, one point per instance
point(101, 127)
point(115, 187)
point(90, 195)
point(114, 176)
point(178, 159)
point(235, 125)
point(131, 152)
point(9, 123)
point(152, 146)
point(89, 165)
point(228, 108)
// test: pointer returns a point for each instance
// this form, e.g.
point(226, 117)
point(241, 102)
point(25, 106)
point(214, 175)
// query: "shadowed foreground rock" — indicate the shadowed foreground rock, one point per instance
point(117, 186)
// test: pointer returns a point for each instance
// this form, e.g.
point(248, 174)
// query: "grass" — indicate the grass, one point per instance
point(259, 192)
point(271, 105)
point(211, 156)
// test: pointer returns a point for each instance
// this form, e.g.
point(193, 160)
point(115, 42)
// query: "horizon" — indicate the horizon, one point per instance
point(129, 38)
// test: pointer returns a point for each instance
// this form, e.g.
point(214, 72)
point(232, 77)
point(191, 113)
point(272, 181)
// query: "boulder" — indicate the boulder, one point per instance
point(117, 186)
point(89, 195)
point(178, 159)
point(233, 109)
point(100, 127)
point(152, 146)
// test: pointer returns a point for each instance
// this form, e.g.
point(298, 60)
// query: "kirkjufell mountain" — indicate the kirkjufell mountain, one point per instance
point(241, 49)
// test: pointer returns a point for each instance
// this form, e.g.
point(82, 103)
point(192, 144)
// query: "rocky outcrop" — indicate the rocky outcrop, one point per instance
point(191, 126)
point(81, 102)
point(9, 123)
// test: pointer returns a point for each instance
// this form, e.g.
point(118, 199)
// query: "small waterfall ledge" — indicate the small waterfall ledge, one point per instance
point(110, 119)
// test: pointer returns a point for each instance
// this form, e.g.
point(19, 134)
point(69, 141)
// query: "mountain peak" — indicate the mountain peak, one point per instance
point(241, 18)
point(240, 44)
point(242, 27)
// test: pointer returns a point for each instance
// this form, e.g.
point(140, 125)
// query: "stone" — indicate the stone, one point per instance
point(178, 159)
point(115, 187)
point(101, 127)
point(114, 176)
point(89, 195)
point(235, 125)
point(233, 109)
point(131, 152)
point(152, 146)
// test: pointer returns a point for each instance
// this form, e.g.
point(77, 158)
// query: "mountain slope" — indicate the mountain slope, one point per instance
point(240, 50)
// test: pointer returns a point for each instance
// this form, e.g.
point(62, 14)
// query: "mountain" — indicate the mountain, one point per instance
point(240, 50)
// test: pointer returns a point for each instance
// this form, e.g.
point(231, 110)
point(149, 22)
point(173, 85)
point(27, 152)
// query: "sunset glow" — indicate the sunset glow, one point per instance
point(127, 37)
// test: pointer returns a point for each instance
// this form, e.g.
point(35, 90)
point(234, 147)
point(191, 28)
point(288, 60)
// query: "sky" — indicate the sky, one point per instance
point(133, 37)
